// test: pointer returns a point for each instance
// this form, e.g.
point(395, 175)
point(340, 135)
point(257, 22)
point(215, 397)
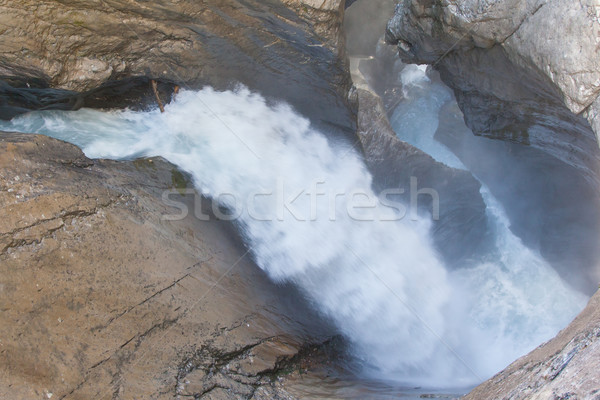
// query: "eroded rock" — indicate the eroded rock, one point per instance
point(460, 226)
point(101, 297)
point(457, 210)
point(522, 80)
point(524, 71)
point(286, 51)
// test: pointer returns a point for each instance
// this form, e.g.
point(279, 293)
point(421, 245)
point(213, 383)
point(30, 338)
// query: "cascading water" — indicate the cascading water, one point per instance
point(306, 209)
point(415, 118)
point(512, 291)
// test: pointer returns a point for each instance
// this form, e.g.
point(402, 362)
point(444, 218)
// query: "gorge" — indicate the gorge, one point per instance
point(311, 223)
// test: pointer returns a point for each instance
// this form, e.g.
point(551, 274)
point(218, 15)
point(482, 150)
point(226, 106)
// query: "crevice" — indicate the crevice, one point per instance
point(219, 367)
point(527, 17)
point(63, 216)
point(16, 243)
point(120, 362)
point(111, 320)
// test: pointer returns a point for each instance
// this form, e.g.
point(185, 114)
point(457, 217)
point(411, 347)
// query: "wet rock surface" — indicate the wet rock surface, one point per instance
point(519, 79)
point(449, 196)
point(101, 297)
point(459, 223)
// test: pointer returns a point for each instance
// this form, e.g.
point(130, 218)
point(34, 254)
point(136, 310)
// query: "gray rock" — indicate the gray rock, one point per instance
point(560, 39)
point(460, 231)
point(592, 113)
point(511, 85)
point(519, 68)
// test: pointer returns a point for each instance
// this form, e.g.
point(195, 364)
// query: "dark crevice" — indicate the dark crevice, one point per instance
point(111, 320)
point(19, 96)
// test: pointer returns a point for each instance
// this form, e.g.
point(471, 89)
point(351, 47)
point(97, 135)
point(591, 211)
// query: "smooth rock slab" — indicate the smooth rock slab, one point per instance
point(100, 297)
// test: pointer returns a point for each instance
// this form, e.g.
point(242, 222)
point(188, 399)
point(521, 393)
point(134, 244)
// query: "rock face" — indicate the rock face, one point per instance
point(524, 71)
point(102, 297)
point(287, 51)
point(566, 367)
point(460, 229)
point(459, 224)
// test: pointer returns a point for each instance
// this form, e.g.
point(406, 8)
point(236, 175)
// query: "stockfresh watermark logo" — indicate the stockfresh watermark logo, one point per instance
point(317, 201)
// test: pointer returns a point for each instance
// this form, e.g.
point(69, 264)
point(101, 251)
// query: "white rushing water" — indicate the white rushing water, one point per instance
point(308, 213)
point(513, 291)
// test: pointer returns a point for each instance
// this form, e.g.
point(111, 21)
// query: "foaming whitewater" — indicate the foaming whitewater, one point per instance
point(512, 299)
point(308, 214)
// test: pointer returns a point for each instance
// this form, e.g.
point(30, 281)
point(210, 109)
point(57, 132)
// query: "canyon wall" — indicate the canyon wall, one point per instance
point(524, 71)
point(69, 54)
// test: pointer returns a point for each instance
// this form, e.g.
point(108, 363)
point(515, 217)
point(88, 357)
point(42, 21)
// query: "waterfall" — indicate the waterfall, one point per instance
point(306, 210)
